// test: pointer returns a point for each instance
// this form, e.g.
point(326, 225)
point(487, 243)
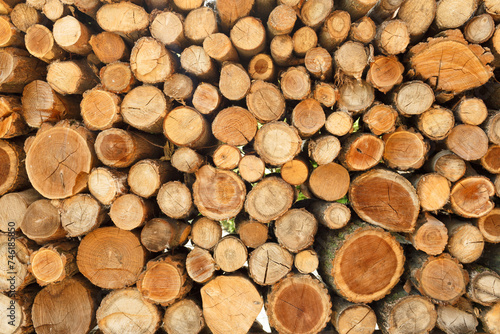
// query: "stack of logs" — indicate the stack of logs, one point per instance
point(178, 165)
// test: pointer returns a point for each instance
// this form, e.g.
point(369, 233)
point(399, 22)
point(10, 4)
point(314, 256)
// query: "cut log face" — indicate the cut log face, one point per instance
point(261, 67)
point(386, 199)
point(65, 306)
point(20, 261)
point(42, 222)
point(81, 214)
point(437, 62)
point(295, 172)
point(356, 96)
point(251, 168)
point(248, 36)
point(206, 233)
point(230, 254)
point(449, 165)
point(164, 233)
point(474, 148)
point(185, 126)
point(465, 243)
point(306, 261)
point(335, 29)
point(200, 265)
point(489, 225)
point(234, 82)
point(126, 19)
point(13, 168)
point(252, 233)
point(140, 313)
point(218, 194)
point(362, 152)
point(174, 199)
point(430, 235)
point(470, 197)
point(269, 199)
point(295, 230)
point(353, 318)
point(348, 262)
point(490, 319)
point(224, 298)
point(329, 182)
point(331, 214)
point(483, 286)
point(323, 150)
point(433, 191)
point(436, 123)
point(265, 101)
point(405, 149)
point(491, 160)
point(308, 117)
point(183, 317)
point(234, 126)
point(111, 258)
point(13, 207)
point(117, 77)
point(457, 318)
point(277, 143)
point(100, 109)
point(199, 24)
point(150, 61)
point(130, 211)
point(413, 98)
point(165, 280)
point(298, 304)
point(339, 123)
point(53, 263)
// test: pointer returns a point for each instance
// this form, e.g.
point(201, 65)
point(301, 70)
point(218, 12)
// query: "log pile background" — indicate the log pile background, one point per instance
point(175, 166)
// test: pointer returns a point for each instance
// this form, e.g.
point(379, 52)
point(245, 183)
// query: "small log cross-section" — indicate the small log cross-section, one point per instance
point(298, 304)
point(230, 304)
point(269, 263)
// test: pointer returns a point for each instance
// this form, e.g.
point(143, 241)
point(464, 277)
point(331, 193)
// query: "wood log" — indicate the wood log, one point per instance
point(361, 151)
point(109, 47)
point(392, 37)
point(295, 83)
point(488, 225)
point(123, 18)
point(226, 157)
point(13, 207)
point(308, 117)
point(339, 123)
point(234, 82)
point(200, 265)
point(438, 53)
point(206, 233)
point(252, 233)
point(351, 59)
point(219, 47)
point(17, 312)
point(17, 261)
point(335, 30)
point(269, 263)
point(319, 63)
point(282, 50)
point(295, 171)
point(459, 318)
point(277, 143)
point(206, 98)
point(323, 149)
point(185, 5)
point(53, 263)
point(54, 10)
point(479, 29)
point(448, 164)
point(89, 7)
point(357, 8)
point(12, 158)
point(418, 16)
point(433, 191)
point(168, 28)
point(349, 317)
point(363, 30)
point(306, 261)
point(483, 286)
point(261, 67)
point(474, 148)
point(117, 77)
point(231, 11)
point(178, 87)
point(164, 233)
point(385, 73)
point(130, 211)
point(493, 128)
point(13, 126)
point(386, 199)
point(304, 39)
point(436, 123)
point(381, 119)
point(24, 16)
point(65, 171)
point(347, 261)
point(199, 24)
point(265, 101)
point(384, 10)
point(275, 193)
point(298, 304)
point(71, 77)
point(326, 94)
point(165, 280)
point(463, 11)
point(405, 149)
point(119, 148)
point(234, 126)
point(6, 6)
point(465, 241)
point(230, 253)
point(186, 160)
point(470, 197)
point(413, 98)
point(140, 313)
point(183, 317)
point(185, 126)
point(222, 307)
point(314, 13)
point(295, 230)
point(150, 61)
point(71, 35)
point(218, 194)
point(251, 168)
point(100, 110)
point(248, 36)
point(40, 103)
point(331, 214)
point(11, 36)
point(65, 306)
point(440, 278)
point(81, 214)
point(403, 312)
point(196, 61)
point(9, 104)
point(329, 182)
point(146, 176)
point(471, 111)
point(18, 69)
point(174, 200)
point(355, 96)
point(430, 235)
point(111, 258)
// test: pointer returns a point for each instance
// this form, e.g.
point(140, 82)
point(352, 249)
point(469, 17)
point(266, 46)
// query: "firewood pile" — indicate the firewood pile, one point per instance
point(178, 166)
